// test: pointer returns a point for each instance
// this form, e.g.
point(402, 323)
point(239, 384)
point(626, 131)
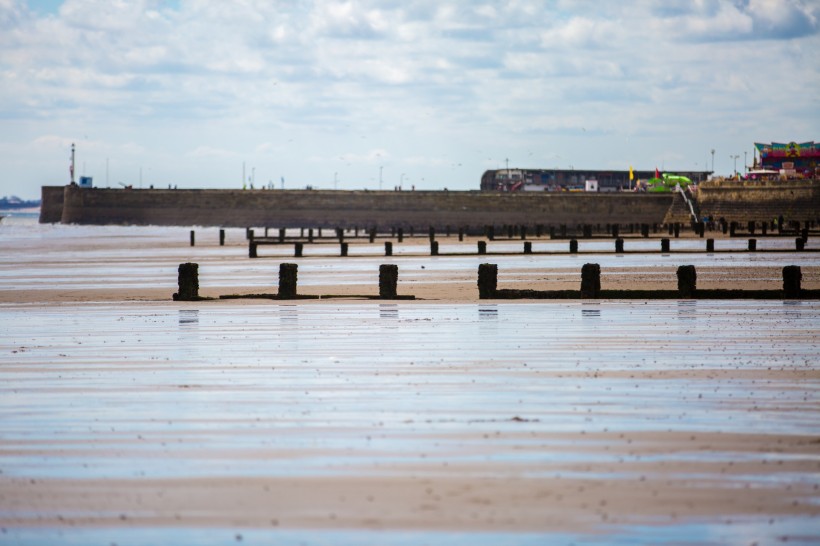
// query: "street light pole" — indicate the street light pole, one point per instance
point(713, 161)
point(735, 167)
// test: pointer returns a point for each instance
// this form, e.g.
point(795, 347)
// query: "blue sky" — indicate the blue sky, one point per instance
point(421, 93)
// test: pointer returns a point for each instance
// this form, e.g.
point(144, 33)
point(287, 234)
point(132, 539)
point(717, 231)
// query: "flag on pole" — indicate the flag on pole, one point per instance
point(631, 174)
point(657, 174)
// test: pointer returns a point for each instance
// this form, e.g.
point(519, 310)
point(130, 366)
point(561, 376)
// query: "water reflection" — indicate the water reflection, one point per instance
point(590, 312)
point(289, 315)
point(188, 317)
point(488, 312)
point(388, 311)
point(687, 309)
point(792, 309)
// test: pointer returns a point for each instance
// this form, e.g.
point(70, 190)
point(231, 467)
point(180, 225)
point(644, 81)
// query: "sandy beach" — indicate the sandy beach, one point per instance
point(129, 418)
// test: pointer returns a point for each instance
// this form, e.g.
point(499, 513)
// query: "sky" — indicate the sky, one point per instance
point(377, 93)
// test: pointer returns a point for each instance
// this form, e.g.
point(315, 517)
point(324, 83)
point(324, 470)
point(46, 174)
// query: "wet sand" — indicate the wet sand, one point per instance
point(128, 418)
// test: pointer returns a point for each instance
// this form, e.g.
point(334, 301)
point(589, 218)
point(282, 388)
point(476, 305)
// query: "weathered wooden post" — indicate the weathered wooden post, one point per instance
point(615, 231)
point(732, 229)
point(287, 281)
point(340, 234)
point(539, 230)
point(343, 249)
point(527, 247)
point(491, 233)
point(192, 238)
point(431, 233)
point(251, 249)
point(710, 245)
point(791, 281)
point(487, 281)
point(573, 246)
point(552, 232)
point(804, 234)
point(510, 232)
point(587, 231)
point(687, 281)
point(433, 248)
point(188, 282)
point(677, 230)
point(619, 245)
point(523, 232)
point(460, 234)
point(764, 227)
point(388, 281)
point(799, 244)
point(750, 226)
point(701, 229)
point(221, 237)
point(401, 234)
point(281, 235)
point(372, 234)
point(249, 234)
point(752, 245)
point(297, 249)
point(562, 230)
point(310, 235)
point(388, 248)
point(670, 228)
point(664, 245)
point(591, 281)
point(644, 230)
point(482, 247)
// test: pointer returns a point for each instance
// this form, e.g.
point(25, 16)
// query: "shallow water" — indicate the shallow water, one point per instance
point(141, 391)
point(159, 390)
point(36, 257)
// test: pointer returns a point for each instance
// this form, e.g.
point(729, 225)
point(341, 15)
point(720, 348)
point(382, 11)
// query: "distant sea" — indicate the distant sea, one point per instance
point(8, 214)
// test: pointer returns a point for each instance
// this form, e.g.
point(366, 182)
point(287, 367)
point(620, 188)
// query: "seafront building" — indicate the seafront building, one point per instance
point(790, 159)
point(572, 179)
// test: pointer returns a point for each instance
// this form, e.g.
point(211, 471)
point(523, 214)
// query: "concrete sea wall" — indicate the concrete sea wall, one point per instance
point(347, 209)
point(51, 204)
point(760, 202)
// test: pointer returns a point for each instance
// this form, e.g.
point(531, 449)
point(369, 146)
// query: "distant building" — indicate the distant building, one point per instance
point(793, 157)
point(571, 179)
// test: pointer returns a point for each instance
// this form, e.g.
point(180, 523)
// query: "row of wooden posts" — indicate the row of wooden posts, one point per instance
point(188, 283)
point(560, 232)
point(665, 247)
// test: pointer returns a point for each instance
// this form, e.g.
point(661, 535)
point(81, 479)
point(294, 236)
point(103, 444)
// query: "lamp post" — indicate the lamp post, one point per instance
point(713, 161)
point(735, 158)
point(744, 162)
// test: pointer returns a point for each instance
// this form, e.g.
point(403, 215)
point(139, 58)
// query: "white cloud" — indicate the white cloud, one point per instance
point(292, 87)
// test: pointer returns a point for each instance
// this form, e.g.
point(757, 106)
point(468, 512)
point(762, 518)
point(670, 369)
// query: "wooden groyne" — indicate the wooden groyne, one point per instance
point(687, 288)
